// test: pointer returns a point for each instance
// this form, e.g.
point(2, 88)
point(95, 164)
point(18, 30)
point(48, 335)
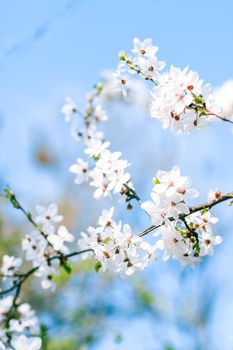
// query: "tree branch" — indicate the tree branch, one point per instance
point(220, 117)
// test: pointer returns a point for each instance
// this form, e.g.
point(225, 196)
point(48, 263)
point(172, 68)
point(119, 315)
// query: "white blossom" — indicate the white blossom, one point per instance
point(99, 114)
point(25, 343)
point(57, 240)
point(68, 109)
point(96, 147)
point(34, 246)
point(80, 168)
point(5, 305)
point(46, 273)
point(224, 98)
point(121, 78)
point(115, 247)
point(10, 265)
point(27, 320)
point(213, 195)
point(182, 102)
point(47, 217)
point(144, 48)
point(169, 196)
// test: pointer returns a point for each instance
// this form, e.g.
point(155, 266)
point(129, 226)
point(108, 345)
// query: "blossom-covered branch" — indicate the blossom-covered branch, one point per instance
point(201, 207)
point(108, 173)
point(180, 100)
point(44, 247)
point(183, 232)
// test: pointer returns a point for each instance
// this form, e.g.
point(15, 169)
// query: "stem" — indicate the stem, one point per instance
point(220, 117)
point(139, 71)
point(130, 193)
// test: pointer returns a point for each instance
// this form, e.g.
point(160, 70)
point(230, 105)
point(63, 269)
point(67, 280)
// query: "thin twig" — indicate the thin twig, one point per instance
point(220, 117)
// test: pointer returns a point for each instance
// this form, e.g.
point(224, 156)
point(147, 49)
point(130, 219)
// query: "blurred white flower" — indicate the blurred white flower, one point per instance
point(10, 265)
point(24, 343)
point(57, 240)
point(68, 109)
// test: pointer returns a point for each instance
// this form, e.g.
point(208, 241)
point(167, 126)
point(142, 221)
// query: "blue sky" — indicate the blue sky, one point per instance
point(50, 49)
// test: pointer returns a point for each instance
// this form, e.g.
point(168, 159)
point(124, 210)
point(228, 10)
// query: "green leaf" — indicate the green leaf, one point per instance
point(156, 181)
point(44, 337)
point(122, 56)
point(10, 195)
point(98, 266)
point(204, 211)
point(201, 111)
point(96, 157)
point(197, 247)
point(118, 339)
point(67, 267)
point(198, 99)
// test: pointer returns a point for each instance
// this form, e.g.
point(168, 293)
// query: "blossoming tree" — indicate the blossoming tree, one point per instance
point(179, 229)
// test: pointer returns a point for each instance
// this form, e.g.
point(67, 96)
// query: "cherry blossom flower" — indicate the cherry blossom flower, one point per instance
point(57, 240)
point(144, 48)
point(168, 196)
point(10, 265)
point(47, 217)
point(121, 78)
point(96, 148)
point(181, 101)
point(22, 342)
point(80, 168)
point(68, 109)
point(224, 98)
point(46, 273)
point(34, 246)
point(99, 114)
point(213, 195)
point(208, 243)
point(5, 305)
point(115, 247)
point(27, 320)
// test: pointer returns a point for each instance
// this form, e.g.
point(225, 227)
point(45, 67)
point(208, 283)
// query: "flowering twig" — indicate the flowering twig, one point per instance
point(14, 201)
point(26, 275)
point(220, 117)
point(193, 210)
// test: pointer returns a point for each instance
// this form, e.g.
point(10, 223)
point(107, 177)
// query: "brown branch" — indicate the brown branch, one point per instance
point(220, 117)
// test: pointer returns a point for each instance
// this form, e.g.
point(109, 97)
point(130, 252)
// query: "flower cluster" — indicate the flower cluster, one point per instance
point(43, 243)
point(185, 236)
point(144, 62)
point(17, 321)
point(179, 98)
point(184, 233)
point(181, 101)
point(108, 174)
point(169, 195)
point(115, 247)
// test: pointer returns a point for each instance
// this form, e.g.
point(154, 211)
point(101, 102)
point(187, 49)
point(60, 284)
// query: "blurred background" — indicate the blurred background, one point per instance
point(54, 48)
